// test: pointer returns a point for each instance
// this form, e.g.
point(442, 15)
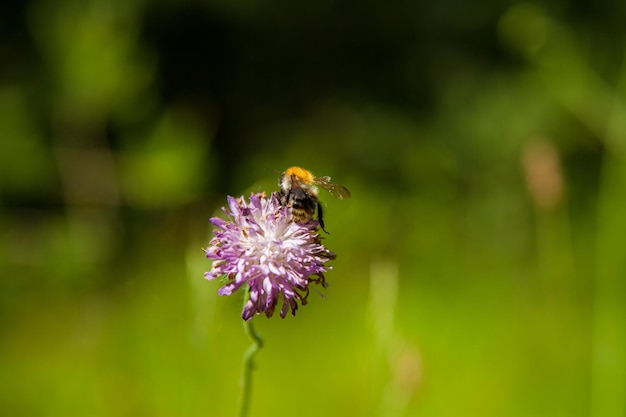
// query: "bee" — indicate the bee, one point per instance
point(298, 190)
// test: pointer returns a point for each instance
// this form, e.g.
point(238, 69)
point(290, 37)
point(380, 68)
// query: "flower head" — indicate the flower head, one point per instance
point(263, 247)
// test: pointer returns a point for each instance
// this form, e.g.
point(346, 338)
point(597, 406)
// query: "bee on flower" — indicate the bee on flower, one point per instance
point(271, 245)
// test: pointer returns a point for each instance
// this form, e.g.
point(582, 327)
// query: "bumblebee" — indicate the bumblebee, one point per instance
point(298, 190)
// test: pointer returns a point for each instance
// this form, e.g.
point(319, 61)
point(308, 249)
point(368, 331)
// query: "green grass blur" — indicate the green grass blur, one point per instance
point(480, 265)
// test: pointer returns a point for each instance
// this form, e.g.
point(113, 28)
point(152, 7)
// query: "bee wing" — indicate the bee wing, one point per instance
point(337, 190)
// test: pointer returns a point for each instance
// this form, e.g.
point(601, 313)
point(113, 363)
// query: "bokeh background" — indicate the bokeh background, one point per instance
point(480, 267)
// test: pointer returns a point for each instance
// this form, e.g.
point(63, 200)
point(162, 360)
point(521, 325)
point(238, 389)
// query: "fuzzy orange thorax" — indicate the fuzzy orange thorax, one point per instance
point(303, 176)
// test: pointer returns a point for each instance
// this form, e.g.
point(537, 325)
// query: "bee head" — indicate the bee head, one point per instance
point(297, 177)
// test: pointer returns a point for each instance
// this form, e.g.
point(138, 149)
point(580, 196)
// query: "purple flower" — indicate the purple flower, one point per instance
point(263, 247)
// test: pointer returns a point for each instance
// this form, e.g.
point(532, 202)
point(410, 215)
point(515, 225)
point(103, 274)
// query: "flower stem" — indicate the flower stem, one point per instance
point(248, 366)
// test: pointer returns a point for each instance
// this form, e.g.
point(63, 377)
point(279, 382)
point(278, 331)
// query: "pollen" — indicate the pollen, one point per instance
point(303, 175)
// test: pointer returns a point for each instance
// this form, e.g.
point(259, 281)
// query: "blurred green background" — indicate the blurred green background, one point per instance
point(480, 268)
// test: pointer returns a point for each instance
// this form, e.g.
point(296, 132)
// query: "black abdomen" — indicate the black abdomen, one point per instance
point(302, 204)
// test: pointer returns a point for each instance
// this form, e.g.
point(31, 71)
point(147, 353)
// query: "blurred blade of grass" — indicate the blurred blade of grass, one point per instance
point(609, 337)
point(609, 333)
point(573, 82)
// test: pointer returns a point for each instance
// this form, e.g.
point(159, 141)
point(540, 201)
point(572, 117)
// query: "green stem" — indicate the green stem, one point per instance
point(248, 366)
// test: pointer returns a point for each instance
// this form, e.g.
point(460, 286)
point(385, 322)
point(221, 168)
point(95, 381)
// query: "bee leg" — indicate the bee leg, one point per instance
point(320, 217)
